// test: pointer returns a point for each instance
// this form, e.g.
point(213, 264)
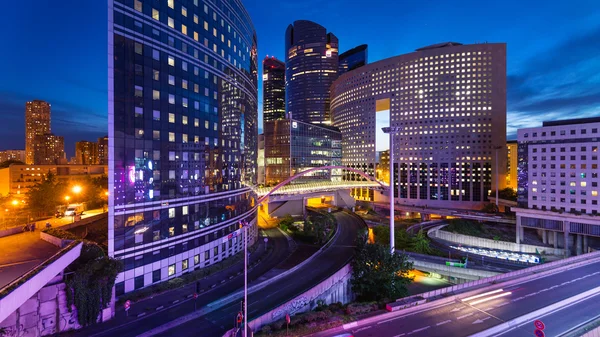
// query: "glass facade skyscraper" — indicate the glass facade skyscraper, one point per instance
point(311, 61)
point(353, 58)
point(293, 146)
point(182, 135)
point(273, 89)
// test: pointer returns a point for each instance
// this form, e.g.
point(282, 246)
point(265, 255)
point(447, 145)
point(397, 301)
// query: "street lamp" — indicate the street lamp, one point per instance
point(392, 131)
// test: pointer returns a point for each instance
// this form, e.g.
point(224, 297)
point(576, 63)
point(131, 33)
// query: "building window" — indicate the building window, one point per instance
point(137, 4)
point(171, 22)
point(171, 231)
point(139, 282)
point(171, 270)
point(171, 213)
point(184, 264)
point(155, 14)
point(171, 117)
point(156, 276)
point(171, 61)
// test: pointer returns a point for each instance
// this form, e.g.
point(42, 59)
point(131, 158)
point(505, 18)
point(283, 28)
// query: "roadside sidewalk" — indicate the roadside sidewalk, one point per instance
point(212, 288)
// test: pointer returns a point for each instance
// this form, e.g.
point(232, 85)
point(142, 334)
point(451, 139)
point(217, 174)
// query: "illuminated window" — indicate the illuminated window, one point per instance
point(137, 4)
point(171, 3)
point(172, 266)
point(171, 61)
point(171, 99)
point(171, 80)
point(172, 137)
point(184, 120)
point(171, 118)
point(183, 11)
point(171, 213)
point(205, 25)
point(171, 22)
point(184, 29)
point(155, 14)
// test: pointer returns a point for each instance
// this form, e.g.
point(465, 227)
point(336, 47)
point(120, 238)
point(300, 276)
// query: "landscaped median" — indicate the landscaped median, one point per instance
point(323, 318)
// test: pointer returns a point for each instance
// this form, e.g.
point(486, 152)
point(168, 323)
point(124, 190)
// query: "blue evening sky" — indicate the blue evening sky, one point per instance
point(56, 51)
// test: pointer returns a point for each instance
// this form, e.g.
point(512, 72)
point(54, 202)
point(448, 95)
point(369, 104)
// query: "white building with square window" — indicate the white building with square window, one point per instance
point(558, 182)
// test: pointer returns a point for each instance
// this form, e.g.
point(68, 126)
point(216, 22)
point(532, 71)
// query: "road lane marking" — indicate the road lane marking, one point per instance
point(442, 323)
point(389, 320)
point(481, 320)
point(488, 309)
point(463, 316)
point(361, 329)
point(419, 330)
point(457, 309)
point(400, 335)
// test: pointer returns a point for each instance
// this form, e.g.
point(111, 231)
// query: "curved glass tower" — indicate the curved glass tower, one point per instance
point(311, 66)
point(182, 135)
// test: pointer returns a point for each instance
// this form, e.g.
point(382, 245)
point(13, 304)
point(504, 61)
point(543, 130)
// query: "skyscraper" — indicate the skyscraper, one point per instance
point(48, 149)
point(183, 134)
point(273, 89)
point(102, 151)
point(37, 122)
point(86, 153)
point(311, 66)
point(449, 100)
point(353, 58)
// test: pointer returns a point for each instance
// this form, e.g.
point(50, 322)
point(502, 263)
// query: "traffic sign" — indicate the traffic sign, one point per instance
point(287, 318)
point(240, 316)
point(127, 305)
point(539, 333)
point(539, 324)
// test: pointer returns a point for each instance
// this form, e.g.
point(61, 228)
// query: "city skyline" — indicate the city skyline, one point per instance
point(547, 76)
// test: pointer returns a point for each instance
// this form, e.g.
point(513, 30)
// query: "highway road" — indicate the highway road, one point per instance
point(322, 266)
point(134, 326)
point(460, 318)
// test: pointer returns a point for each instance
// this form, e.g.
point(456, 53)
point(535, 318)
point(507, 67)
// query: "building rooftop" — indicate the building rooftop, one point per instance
point(440, 45)
point(572, 121)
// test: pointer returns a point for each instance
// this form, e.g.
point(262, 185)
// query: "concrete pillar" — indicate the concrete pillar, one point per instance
point(585, 244)
point(566, 233)
point(518, 229)
point(579, 244)
point(555, 234)
point(545, 236)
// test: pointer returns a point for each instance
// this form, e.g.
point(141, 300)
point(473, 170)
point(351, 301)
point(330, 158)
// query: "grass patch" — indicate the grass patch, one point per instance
point(478, 229)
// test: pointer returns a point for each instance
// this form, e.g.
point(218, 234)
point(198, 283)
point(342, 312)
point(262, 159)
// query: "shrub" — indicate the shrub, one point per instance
point(61, 234)
point(266, 329)
point(357, 309)
point(278, 325)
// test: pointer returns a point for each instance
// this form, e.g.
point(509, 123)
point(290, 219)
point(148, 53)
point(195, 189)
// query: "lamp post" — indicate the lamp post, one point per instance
point(392, 131)
point(244, 225)
point(76, 190)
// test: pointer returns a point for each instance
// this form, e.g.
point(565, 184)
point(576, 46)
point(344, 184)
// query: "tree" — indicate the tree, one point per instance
point(490, 208)
point(420, 243)
point(7, 163)
point(506, 194)
point(377, 274)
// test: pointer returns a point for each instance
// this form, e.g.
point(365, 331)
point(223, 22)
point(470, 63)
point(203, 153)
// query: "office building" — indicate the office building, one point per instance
point(49, 149)
point(449, 102)
point(311, 66)
point(37, 123)
point(293, 146)
point(558, 182)
point(511, 164)
point(102, 158)
point(17, 179)
point(12, 155)
point(86, 153)
point(273, 89)
point(353, 59)
point(182, 135)
point(260, 178)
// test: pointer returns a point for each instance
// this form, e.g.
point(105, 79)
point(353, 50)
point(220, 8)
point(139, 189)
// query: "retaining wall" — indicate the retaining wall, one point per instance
point(336, 288)
point(474, 241)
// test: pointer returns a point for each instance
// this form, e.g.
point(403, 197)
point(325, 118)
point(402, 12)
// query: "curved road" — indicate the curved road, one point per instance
point(318, 269)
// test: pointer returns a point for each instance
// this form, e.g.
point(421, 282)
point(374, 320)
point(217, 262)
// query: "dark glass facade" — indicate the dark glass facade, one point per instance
point(273, 89)
point(182, 135)
point(311, 61)
point(353, 58)
point(293, 146)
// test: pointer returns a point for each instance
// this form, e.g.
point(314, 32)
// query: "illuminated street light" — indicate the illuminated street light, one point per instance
point(76, 189)
point(15, 202)
point(67, 198)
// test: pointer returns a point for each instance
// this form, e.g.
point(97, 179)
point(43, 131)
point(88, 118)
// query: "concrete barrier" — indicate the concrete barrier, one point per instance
point(58, 242)
point(11, 231)
point(474, 241)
